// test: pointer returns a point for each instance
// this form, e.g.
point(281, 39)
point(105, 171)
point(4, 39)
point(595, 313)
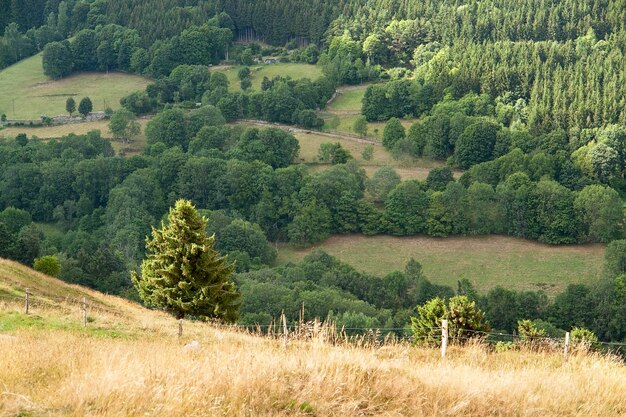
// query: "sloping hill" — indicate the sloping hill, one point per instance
point(47, 292)
point(134, 364)
point(26, 93)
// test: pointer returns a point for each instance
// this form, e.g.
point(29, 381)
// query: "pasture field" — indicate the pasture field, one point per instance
point(129, 361)
point(343, 123)
point(486, 261)
point(258, 71)
point(407, 168)
point(59, 131)
point(35, 94)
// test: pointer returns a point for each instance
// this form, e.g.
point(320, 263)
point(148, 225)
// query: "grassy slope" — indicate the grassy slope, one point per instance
point(294, 71)
point(346, 107)
point(35, 94)
point(135, 365)
point(486, 261)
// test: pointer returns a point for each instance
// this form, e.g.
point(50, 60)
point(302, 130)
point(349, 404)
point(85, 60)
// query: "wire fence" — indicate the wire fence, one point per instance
point(331, 331)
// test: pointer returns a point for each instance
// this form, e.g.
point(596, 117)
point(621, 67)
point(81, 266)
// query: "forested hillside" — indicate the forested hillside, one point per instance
point(525, 101)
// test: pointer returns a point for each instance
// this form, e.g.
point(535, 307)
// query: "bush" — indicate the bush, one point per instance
point(49, 265)
point(584, 338)
point(333, 153)
point(368, 153)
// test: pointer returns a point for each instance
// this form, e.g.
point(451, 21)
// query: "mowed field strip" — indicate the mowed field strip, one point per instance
point(486, 261)
point(35, 94)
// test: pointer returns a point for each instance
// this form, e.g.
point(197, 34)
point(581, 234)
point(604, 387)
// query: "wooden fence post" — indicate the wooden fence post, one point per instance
point(180, 328)
point(444, 338)
point(84, 312)
point(565, 348)
point(27, 302)
point(284, 319)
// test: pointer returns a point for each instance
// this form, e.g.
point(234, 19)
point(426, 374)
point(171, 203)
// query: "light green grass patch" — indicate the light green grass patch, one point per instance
point(295, 71)
point(348, 100)
point(343, 123)
point(34, 94)
point(485, 261)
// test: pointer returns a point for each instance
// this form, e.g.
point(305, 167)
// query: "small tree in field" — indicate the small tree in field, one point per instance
point(360, 126)
point(70, 106)
point(368, 153)
point(124, 125)
point(183, 274)
point(85, 107)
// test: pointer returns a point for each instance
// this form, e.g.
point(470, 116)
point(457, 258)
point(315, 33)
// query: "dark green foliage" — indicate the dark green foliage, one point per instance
point(438, 178)
point(57, 60)
point(572, 308)
point(85, 106)
point(311, 224)
point(15, 219)
point(476, 144)
point(183, 274)
point(406, 208)
point(614, 258)
point(274, 147)
point(393, 132)
point(168, 127)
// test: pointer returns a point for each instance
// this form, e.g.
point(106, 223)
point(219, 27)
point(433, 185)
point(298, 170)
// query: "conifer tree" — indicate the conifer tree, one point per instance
point(70, 106)
point(183, 274)
point(85, 106)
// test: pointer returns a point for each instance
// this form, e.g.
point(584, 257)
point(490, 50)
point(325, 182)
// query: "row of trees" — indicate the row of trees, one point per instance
point(280, 100)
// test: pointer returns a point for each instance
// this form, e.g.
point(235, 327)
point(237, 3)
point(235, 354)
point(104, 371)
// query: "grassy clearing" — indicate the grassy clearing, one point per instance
point(35, 94)
point(343, 123)
point(295, 71)
point(485, 261)
point(407, 168)
point(55, 132)
point(348, 100)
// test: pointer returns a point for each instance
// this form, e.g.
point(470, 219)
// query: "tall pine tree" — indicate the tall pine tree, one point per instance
point(183, 274)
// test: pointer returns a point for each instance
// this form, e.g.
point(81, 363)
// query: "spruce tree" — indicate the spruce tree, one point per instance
point(183, 274)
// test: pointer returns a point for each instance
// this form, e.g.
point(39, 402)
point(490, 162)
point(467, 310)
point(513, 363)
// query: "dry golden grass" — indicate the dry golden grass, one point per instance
point(70, 371)
point(60, 373)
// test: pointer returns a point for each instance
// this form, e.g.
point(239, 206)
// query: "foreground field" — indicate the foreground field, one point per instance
point(128, 361)
point(485, 261)
point(25, 85)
